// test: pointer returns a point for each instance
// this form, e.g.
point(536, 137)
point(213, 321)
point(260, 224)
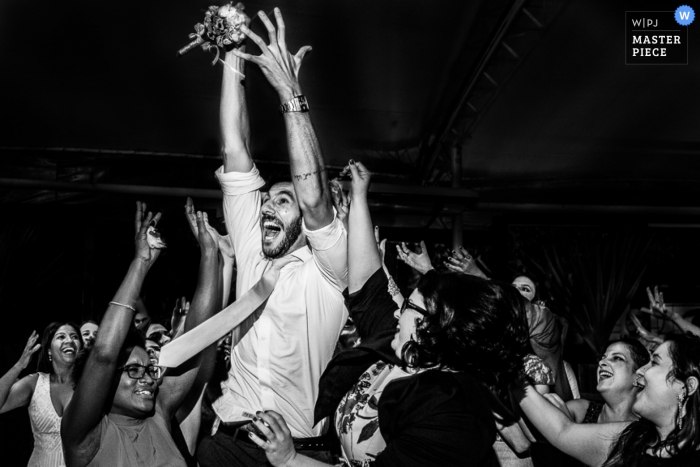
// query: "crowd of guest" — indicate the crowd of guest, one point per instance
point(317, 358)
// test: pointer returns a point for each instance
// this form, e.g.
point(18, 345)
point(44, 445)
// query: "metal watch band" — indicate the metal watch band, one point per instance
point(296, 104)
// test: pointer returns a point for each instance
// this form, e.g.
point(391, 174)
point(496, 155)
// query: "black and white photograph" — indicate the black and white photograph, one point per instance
point(389, 233)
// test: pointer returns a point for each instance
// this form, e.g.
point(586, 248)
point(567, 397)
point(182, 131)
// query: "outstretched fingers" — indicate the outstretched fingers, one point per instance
point(271, 32)
point(281, 31)
point(301, 53)
point(140, 208)
point(255, 38)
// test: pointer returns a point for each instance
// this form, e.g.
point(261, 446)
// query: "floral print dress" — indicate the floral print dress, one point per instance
point(356, 419)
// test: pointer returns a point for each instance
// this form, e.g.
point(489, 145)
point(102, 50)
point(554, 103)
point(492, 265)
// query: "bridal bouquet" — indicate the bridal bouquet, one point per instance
point(221, 29)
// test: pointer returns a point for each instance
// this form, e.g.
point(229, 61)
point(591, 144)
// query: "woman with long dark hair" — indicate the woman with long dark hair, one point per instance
point(668, 404)
point(413, 392)
point(46, 392)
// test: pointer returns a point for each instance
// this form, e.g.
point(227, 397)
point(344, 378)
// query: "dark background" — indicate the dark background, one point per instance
point(546, 127)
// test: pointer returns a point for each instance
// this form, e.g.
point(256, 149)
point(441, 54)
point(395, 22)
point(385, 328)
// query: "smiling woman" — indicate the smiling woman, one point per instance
point(122, 410)
point(617, 369)
point(47, 392)
point(668, 404)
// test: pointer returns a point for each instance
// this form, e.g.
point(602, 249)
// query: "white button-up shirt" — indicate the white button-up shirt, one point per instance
point(278, 363)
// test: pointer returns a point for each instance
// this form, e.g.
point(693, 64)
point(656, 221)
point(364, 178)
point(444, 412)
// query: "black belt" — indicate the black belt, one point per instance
point(234, 430)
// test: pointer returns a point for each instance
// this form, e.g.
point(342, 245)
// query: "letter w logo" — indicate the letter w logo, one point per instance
point(684, 14)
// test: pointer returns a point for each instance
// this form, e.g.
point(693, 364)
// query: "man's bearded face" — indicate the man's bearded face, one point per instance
point(280, 221)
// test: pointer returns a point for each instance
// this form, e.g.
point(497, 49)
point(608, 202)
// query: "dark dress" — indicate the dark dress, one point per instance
point(433, 418)
point(593, 412)
point(684, 460)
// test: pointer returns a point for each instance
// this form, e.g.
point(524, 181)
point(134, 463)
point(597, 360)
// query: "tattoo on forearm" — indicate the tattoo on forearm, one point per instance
point(304, 176)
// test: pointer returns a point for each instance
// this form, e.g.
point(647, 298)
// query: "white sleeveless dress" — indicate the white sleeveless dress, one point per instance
point(46, 426)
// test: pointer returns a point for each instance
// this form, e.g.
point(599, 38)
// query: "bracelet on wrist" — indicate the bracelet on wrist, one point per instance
point(295, 104)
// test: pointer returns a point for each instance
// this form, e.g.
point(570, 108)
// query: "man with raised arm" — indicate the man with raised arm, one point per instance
point(278, 362)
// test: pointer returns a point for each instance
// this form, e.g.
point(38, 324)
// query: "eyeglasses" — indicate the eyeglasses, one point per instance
point(136, 371)
point(408, 304)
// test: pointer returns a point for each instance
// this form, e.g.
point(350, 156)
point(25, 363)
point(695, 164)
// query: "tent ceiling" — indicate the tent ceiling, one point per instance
point(93, 93)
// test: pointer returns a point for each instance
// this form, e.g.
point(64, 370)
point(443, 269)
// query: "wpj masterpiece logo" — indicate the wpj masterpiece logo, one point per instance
point(657, 37)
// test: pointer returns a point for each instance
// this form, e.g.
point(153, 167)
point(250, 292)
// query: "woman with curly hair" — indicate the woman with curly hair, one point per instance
point(412, 393)
point(668, 404)
point(46, 392)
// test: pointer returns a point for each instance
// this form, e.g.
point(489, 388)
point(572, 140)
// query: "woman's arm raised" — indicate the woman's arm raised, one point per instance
point(80, 422)
point(206, 301)
point(589, 443)
point(363, 255)
point(15, 393)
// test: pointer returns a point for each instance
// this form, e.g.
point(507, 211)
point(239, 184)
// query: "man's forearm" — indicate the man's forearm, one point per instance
point(235, 128)
point(308, 170)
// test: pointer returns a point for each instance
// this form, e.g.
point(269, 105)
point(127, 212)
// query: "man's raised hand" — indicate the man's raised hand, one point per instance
point(280, 67)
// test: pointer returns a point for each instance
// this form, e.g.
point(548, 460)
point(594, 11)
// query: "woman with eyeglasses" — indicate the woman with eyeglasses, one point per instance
point(47, 392)
point(411, 393)
point(121, 410)
point(668, 404)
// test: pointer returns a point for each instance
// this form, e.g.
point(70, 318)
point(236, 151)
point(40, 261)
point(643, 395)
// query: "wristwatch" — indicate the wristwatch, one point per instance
point(296, 104)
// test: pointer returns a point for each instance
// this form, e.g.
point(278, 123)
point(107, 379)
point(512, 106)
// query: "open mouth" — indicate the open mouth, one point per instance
point(69, 350)
point(270, 230)
point(604, 374)
point(148, 393)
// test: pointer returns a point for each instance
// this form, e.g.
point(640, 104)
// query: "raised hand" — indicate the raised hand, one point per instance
point(207, 241)
point(462, 262)
point(360, 179)
point(279, 447)
point(29, 351)
point(223, 241)
point(142, 222)
point(418, 261)
point(656, 303)
point(280, 67)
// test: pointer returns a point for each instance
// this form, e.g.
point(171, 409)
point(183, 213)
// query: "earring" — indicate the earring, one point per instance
point(49, 357)
point(681, 410)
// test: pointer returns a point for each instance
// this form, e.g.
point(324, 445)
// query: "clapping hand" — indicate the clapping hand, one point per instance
point(418, 261)
point(29, 351)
